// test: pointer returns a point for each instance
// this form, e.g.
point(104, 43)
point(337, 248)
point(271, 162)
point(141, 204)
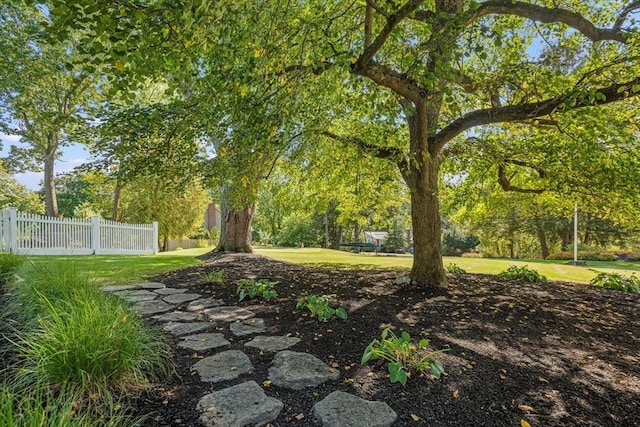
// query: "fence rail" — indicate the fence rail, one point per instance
point(31, 234)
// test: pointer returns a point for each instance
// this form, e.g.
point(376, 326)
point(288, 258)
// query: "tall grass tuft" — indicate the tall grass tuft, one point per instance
point(38, 406)
point(9, 265)
point(96, 344)
point(72, 336)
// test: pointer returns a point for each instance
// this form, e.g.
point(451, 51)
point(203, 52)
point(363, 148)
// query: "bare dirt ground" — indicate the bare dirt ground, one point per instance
point(555, 354)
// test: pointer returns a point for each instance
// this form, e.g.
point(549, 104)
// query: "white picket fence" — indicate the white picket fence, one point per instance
point(31, 234)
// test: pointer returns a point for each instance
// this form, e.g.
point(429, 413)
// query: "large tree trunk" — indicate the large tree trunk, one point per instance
point(542, 238)
point(235, 233)
point(422, 175)
point(356, 232)
point(51, 201)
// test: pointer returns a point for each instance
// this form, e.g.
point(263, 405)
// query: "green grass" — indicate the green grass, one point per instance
point(554, 270)
point(126, 269)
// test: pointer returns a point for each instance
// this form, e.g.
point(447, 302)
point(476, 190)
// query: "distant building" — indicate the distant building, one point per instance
point(375, 237)
point(212, 217)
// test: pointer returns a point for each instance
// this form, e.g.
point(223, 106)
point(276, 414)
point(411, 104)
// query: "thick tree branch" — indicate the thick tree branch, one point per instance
point(393, 21)
point(511, 113)
point(378, 8)
point(505, 183)
point(388, 153)
point(390, 78)
point(625, 13)
point(547, 15)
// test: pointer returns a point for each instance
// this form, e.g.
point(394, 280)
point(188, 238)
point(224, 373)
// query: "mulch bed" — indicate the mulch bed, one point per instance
point(555, 354)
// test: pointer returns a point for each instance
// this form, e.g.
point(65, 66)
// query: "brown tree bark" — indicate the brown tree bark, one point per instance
point(542, 238)
point(51, 201)
point(235, 232)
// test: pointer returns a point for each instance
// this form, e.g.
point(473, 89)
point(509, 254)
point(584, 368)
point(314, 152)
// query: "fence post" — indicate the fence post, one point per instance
point(155, 238)
point(95, 234)
point(11, 229)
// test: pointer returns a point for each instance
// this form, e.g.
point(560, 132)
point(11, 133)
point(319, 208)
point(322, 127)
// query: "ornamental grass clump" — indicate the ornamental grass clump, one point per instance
point(76, 337)
point(9, 266)
point(403, 356)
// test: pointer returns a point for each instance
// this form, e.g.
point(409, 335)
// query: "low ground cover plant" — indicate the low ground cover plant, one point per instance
point(455, 270)
point(403, 356)
point(617, 281)
point(320, 307)
point(257, 288)
point(215, 276)
point(522, 274)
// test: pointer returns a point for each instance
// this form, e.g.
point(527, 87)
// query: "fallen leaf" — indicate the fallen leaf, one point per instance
point(300, 416)
point(623, 382)
point(469, 366)
point(415, 417)
point(503, 377)
point(525, 408)
point(524, 423)
point(456, 394)
point(266, 383)
point(543, 380)
point(234, 368)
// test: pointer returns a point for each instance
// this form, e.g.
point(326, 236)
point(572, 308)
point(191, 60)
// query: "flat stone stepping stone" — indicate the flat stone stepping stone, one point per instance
point(152, 285)
point(136, 296)
point(244, 404)
point(204, 303)
point(148, 308)
point(186, 328)
point(247, 327)
point(115, 288)
point(177, 316)
point(273, 343)
point(180, 298)
point(340, 409)
point(224, 366)
point(296, 371)
point(228, 313)
point(169, 291)
point(134, 292)
point(202, 342)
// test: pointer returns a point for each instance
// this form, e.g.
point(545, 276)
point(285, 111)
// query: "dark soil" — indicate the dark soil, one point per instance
point(555, 354)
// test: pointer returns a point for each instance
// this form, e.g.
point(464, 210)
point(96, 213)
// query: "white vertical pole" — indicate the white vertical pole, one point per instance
point(13, 230)
point(95, 234)
point(6, 230)
point(575, 234)
point(155, 238)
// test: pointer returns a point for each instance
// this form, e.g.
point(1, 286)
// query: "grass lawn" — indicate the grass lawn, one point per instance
point(124, 269)
point(554, 270)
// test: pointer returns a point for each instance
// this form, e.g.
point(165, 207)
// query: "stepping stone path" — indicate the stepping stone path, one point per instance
point(246, 403)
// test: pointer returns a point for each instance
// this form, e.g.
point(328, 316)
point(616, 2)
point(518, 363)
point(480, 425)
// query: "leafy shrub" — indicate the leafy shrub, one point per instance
point(522, 274)
point(9, 265)
point(214, 277)
point(585, 255)
point(617, 281)
point(319, 307)
point(455, 270)
point(251, 288)
point(403, 356)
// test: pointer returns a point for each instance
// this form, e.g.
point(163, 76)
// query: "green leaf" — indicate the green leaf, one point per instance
point(341, 313)
point(423, 343)
point(436, 368)
point(397, 374)
point(368, 354)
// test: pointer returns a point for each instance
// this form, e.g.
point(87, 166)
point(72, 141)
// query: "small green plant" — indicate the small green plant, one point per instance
point(319, 307)
point(9, 265)
point(617, 281)
point(455, 270)
point(403, 356)
point(522, 274)
point(252, 288)
point(214, 277)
